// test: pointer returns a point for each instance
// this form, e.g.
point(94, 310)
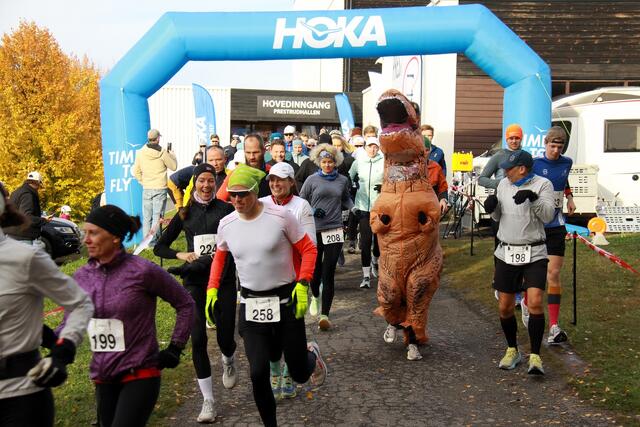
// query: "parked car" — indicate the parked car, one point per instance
point(61, 238)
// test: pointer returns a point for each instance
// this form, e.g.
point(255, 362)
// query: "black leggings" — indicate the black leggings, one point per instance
point(260, 340)
point(199, 339)
point(225, 315)
point(366, 236)
point(30, 410)
point(325, 272)
point(352, 228)
point(127, 404)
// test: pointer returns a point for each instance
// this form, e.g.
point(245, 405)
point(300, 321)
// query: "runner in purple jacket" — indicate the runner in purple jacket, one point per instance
point(126, 361)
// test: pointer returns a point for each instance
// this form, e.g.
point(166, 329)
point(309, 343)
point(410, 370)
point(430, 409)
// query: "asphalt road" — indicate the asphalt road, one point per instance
point(371, 383)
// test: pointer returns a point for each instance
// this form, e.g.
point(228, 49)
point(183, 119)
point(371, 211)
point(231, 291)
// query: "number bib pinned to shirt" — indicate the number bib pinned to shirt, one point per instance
point(558, 199)
point(330, 237)
point(204, 244)
point(106, 335)
point(517, 255)
point(262, 310)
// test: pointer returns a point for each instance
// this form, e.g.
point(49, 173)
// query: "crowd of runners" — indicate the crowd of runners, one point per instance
point(263, 241)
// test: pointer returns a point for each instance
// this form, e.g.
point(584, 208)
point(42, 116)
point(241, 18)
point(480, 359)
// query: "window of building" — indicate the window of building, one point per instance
point(621, 136)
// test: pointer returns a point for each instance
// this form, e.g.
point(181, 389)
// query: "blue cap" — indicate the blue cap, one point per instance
point(276, 135)
point(518, 158)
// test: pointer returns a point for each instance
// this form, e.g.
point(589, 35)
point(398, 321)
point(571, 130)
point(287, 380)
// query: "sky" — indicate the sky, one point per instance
point(105, 30)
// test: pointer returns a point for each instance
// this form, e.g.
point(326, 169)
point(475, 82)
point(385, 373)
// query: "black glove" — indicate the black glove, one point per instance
point(169, 357)
point(378, 187)
point(490, 204)
point(319, 213)
point(52, 370)
point(49, 337)
point(523, 195)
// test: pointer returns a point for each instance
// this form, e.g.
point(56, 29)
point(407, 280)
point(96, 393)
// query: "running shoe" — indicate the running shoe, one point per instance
point(324, 324)
point(374, 270)
point(229, 374)
point(208, 412)
point(556, 335)
point(535, 365)
point(288, 387)
point(320, 372)
point(511, 359)
point(341, 258)
point(525, 314)
point(366, 283)
point(210, 325)
point(389, 334)
point(276, 386)
point(413, 353)
point(518, 299)
point(352, 247)
point(314, 307)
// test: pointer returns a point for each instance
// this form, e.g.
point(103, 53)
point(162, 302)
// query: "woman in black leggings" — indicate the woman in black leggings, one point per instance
point(199, 220)
point(327, 192)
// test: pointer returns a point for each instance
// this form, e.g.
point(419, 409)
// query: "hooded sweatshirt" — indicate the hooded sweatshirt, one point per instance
point(150, 167)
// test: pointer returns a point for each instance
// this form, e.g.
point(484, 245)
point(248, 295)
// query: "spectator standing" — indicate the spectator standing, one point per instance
point(298, 152)
point(437, 155)
point(27, 200)
point(150, 170)
point(289, 132)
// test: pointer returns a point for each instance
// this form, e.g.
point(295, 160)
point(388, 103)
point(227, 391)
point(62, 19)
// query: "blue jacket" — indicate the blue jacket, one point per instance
point(437, 155)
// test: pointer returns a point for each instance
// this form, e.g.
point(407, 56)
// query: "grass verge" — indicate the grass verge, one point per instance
point(608, 301)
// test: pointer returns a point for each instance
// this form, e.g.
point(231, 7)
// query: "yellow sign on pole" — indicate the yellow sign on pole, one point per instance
point(462, 162)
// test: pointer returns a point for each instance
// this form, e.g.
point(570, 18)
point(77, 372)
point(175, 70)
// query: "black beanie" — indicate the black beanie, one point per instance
point(324, 138)
point(201, 168)
point(111, 218)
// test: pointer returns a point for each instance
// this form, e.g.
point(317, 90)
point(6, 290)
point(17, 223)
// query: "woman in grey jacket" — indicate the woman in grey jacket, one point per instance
point(27, 276)
point(327, 192)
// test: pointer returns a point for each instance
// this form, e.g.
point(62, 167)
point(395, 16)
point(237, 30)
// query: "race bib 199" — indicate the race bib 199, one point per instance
point(516, 255)
point(106, 335)
point(262, 310)
point(330, 237)
point(204, 244)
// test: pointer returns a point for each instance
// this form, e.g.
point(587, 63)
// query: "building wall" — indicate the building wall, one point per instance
point(172, 112)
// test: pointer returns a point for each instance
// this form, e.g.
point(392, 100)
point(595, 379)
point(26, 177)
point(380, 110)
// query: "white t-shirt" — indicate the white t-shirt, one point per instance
point(301, 209)
point(262, 247)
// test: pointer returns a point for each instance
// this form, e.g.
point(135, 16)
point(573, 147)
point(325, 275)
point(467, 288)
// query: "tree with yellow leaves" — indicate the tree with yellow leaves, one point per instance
point(49, 119)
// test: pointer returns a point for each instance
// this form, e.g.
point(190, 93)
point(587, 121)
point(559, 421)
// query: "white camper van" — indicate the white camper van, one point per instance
point(604, 143)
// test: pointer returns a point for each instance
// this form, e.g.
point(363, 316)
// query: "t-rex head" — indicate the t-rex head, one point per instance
point(400, 140)
point(396, 111)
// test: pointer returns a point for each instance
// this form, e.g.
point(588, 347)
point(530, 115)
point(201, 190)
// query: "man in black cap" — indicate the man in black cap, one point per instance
point(523, 203)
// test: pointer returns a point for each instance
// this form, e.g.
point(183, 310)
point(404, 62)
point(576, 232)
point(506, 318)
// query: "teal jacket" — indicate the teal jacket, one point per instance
point(369, 172)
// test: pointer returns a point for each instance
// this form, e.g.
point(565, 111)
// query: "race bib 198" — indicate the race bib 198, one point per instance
point(106, 335)
point(330, 237)
point(558, 199)
point(516, 255)
point(262, 310)
point(204, 244)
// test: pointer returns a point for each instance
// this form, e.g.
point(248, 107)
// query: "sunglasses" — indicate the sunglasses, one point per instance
point(288, 134)
point(239, 194)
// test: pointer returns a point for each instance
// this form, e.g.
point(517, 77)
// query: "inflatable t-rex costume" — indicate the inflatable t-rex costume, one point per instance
point(405, 218)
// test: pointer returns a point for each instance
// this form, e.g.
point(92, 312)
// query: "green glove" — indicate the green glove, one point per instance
point(212, 297)
point(299, 297)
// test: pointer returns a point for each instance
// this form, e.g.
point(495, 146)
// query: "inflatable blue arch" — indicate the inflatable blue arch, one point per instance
point(179, 37)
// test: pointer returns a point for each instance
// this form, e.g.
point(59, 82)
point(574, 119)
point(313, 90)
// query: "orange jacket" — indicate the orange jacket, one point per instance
point(437, 180)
